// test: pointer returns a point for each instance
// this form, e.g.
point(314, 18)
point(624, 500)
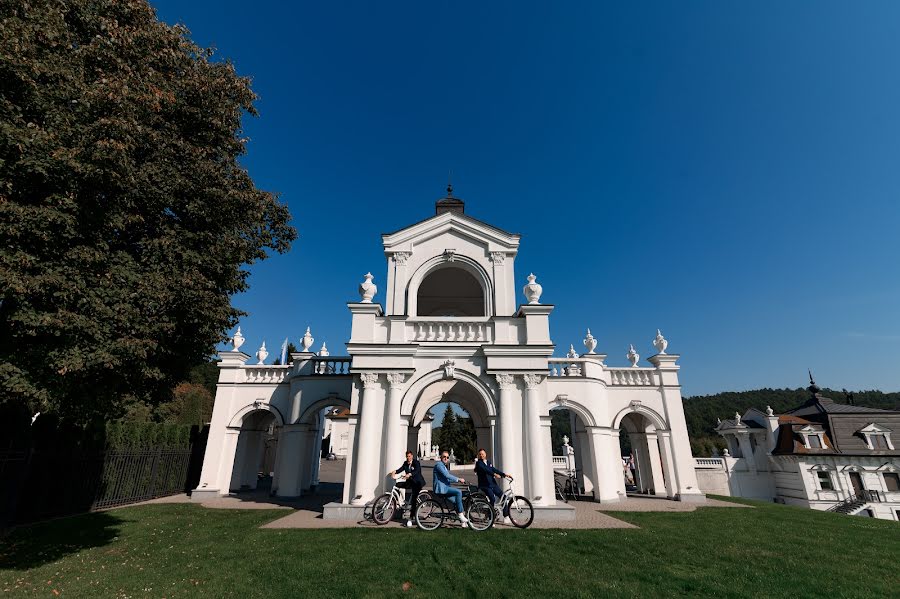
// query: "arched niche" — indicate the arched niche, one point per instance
point(457, 287)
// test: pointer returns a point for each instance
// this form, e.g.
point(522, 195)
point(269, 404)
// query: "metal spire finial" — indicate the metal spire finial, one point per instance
point(449, 183)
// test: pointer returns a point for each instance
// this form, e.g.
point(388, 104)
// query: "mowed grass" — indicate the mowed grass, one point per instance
point(190, 551)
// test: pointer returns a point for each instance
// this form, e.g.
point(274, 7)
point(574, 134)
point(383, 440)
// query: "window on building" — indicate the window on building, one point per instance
point(815, 442)
point(824, 480)
point(892, 481)
point(879, 442)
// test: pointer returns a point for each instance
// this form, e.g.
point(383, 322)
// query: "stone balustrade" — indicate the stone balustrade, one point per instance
point(566, 367)
point(262, 373)
point(632, 377)
point(450, 329)
point(714, 463)
point(330, 366)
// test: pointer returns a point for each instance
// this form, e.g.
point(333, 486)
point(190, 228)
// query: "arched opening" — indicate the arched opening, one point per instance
point(451, 414)
point(450, 291)
point(641, 459)
point(256, 452)
point(572, 459)
point(323, 444)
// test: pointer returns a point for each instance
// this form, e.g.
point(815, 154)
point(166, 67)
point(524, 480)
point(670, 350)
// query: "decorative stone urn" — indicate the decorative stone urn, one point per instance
point(589, 342)
point(238, 340)
point(324, 351)
point(532, 290)
point(307, 340)
point(660, 342)
point(572, 354)
point(367, 289)
point(261, 353)
point(633, 356)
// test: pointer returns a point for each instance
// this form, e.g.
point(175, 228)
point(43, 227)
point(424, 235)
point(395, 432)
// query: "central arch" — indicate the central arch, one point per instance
point(464, 389)
point(450, 286)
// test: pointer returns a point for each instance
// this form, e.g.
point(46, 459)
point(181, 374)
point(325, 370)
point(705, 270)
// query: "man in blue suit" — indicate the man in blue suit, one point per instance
point(442, 481)
point(486, 475)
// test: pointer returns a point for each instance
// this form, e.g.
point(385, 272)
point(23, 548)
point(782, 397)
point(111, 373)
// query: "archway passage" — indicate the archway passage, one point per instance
point(572, 460)
point(641, 462)
point(255, 455)
point(450, 291)
point(471, 425)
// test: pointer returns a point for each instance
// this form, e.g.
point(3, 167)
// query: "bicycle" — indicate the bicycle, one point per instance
point(432, 511)
point(569, 488)
point(521, 512)
point(385, 506)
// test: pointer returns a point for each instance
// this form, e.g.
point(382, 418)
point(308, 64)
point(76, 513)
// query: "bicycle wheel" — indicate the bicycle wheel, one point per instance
point(480, 515)
point(560, 494)
point(383, 509)
point(521, 512)
point(571, 490)
point(429, 514)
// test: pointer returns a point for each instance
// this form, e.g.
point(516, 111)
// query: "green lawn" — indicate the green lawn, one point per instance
point(190, 551)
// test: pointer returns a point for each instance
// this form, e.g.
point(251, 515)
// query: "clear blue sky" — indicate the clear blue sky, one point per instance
point(727, 172)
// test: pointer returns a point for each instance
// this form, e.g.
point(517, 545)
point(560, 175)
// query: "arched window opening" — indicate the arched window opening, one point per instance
point(450, 292)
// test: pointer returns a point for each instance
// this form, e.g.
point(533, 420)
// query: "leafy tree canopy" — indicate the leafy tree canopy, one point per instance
point(126, 220)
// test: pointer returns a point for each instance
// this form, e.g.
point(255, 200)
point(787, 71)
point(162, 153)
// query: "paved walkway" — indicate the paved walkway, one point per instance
point(306, 512)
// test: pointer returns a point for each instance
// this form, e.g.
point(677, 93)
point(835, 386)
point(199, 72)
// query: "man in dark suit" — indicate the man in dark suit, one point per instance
point(486, 475)
point(414, 481)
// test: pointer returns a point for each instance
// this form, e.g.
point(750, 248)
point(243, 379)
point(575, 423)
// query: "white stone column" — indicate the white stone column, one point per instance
point(606, 463)
point(500, 285)
point(656, 470)
point(537, 461)
point(395, 439)
point(666, 457)
point(287, 468)
point(225, 465)
point(510, 460)
point(368, 449)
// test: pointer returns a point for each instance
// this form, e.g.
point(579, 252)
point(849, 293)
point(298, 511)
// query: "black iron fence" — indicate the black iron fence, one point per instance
point(39, 484)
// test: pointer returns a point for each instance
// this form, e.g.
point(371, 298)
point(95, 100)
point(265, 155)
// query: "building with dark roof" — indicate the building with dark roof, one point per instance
point(822, 454)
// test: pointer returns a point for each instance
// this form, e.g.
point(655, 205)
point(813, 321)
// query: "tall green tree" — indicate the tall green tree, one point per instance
point(126, 219)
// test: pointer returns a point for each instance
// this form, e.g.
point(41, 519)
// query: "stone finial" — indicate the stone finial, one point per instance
point(589, 342)
point(572, 354)
point(769, 411)
point(565, 439)
point(737, 419)
point(307, 340)
point(718, 421)
point(633, 356)
point(367, 289)
point(238, 340)
point(324, 351)
point(532, 290)
point(261, 353)
point(726, 453)
point(660, 342)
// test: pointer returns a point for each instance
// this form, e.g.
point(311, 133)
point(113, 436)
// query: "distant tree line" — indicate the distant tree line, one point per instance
point(456, 433)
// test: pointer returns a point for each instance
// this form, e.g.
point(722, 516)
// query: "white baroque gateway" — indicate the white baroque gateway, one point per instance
point(450, 331)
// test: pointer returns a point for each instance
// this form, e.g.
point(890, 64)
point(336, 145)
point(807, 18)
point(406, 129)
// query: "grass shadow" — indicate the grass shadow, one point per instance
point(33, 545)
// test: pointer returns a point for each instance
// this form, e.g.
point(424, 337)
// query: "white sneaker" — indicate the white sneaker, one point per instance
point(507, 521)
point(409, 524)
point(463, 519)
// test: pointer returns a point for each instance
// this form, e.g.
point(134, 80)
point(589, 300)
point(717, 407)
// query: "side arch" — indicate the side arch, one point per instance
point(655, 419)
point(332, 400)
point(443, 261)
point(257, 406)
point(564, 402)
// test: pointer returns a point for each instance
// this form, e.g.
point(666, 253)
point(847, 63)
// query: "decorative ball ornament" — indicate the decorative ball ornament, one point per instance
point(367, 289)
point(307, 340)
point(261, 353)
point(589, 342)
point(532, 290)
point(633, 356)
point(660, 342)
point(238, 340)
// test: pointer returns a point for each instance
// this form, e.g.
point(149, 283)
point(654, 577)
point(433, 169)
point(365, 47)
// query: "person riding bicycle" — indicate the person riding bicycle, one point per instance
point(442, 482)
point(486, 474)
point(414, 481)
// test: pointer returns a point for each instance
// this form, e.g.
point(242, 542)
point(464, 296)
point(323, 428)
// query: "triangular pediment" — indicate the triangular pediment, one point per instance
point(874, 428)
point(452, 223)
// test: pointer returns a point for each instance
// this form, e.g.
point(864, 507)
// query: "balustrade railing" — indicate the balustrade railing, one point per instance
point(323, 366)
point(266, 374)
point(709, 463)
point(451, 330)
point(565, 367)
point(631, 377)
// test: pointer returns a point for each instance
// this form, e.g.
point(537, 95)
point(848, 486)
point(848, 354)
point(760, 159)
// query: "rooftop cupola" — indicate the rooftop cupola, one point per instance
point(449, 203)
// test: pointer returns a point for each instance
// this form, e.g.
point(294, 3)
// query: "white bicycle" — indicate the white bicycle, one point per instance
point(521, 512)
point(384, 508)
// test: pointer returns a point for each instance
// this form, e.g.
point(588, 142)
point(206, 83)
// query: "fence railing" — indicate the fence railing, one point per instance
point(457, 329)
point(631, 377)
point(266, 374)
point(709, 463)
point(565, 367)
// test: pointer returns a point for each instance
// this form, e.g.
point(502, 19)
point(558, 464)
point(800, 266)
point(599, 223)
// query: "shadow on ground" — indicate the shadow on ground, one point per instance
point(33, 545)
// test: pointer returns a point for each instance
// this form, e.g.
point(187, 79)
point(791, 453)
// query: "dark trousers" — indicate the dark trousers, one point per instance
point(416, 488)
point(493, 492)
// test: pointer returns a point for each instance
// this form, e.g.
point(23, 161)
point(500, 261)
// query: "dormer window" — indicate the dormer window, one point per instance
point(878, 438)
point(813, 437)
